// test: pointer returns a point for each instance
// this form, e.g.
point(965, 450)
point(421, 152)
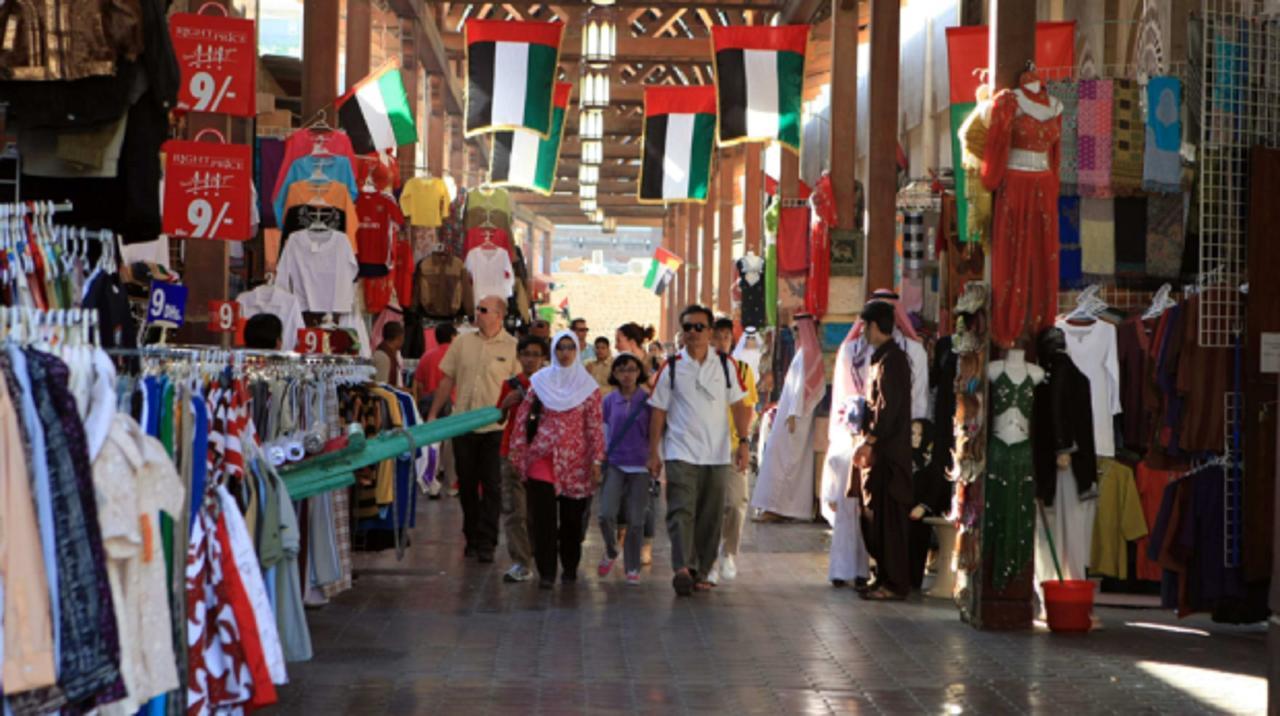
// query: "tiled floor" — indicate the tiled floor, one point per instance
point(437, 634)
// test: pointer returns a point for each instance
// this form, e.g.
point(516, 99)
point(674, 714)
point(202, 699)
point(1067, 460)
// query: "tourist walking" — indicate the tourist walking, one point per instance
point(601, 366)
point(477, 364)
point(884, 458)
point(386, 359)
point(736, 493)
point(632, 338)
point(626, 476)
point(531, 351)
point(558, 446)
point(692, 394)
point(426, 379)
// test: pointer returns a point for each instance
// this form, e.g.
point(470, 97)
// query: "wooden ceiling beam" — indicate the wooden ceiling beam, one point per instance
point(642, 5)
point(630, 49)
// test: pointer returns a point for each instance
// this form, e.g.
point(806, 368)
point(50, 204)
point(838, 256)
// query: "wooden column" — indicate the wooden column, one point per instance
point(546, 252)
point(693, 273)
point(319, 57)
point(882, 186)
point(436, 136)
point(359, 40)
point(1012, 44)
point(753, 209)
point(706, 295)
point(724, 286)
point(407, 154)
point(844, 105)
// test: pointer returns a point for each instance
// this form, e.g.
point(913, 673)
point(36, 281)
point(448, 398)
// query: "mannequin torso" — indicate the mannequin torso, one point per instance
point(1012, 425)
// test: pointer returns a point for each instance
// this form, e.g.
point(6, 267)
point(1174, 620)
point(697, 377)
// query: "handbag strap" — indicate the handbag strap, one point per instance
point(626, 425)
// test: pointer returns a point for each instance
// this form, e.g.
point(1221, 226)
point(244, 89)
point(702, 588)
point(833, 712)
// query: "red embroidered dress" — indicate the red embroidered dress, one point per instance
point(573, 439)
point(1020, 164)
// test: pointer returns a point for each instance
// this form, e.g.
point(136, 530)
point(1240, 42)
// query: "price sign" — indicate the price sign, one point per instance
point(207, 190)
point(167, 304)
point(313, 340)
point(224, 316)
point(216, 56)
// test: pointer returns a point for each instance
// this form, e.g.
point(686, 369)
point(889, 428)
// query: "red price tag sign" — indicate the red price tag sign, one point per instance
point(223, 316)
point(313, 340)
point(216, 56)
point(207, 190)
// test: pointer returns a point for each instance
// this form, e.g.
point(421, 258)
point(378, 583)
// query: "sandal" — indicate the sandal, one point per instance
point(882, 594)
point(704, 586)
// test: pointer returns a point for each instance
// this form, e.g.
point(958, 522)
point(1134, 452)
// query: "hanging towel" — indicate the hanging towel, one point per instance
point(1128, 132)
point(1165, 234)
point(1098, 237)
point(1070, 275)
point(1093, 139)
point(1131, 236)
point(1162, 166)
point(1067, 93)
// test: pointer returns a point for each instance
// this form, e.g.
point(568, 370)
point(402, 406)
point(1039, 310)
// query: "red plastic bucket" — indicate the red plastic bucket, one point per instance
point(1069, 604)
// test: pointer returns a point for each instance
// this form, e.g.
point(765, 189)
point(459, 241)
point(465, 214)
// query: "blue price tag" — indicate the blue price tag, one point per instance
point(167, 305)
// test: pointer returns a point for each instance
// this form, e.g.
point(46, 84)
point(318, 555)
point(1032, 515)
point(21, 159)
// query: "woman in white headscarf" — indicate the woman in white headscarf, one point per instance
point(785, 484)
point(557, 445)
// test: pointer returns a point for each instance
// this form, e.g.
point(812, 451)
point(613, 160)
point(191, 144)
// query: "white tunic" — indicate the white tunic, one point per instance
point(785, 483)
point(848, 559)
point(1093, 349)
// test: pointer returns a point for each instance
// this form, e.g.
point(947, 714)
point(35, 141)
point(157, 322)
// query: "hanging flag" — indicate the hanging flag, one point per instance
point(564, 307)
point(519, 158)
point(375, 112)
point(511, 72)
point(760, 81)
point(662, 270)
point(679, 133)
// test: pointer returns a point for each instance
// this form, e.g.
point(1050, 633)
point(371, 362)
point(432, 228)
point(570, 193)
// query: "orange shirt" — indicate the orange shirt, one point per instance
point(327, 194)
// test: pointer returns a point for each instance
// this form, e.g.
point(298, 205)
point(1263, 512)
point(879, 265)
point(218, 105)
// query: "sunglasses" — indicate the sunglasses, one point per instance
point(694, 327)
point(582, 330)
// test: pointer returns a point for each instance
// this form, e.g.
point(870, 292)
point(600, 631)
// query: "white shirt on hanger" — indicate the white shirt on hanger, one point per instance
point(319, 268)
point(1093, 349)
point(491, 272)
point(280, 303)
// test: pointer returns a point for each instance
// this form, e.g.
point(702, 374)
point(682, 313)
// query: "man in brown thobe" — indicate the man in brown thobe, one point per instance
point(884, 458)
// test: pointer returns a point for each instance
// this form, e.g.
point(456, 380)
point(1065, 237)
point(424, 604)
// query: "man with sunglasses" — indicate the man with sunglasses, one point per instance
point(477, 364)
point(691, 395)
point(579, 328)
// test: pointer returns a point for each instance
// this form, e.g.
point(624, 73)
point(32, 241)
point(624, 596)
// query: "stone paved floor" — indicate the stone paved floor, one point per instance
point(437, 634)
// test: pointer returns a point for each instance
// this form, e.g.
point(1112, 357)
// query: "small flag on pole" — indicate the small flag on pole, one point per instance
point(662, 270)
point(520, 159)
point(760, 82)
point(679, 135)
point(375, 113)
point(511, 75)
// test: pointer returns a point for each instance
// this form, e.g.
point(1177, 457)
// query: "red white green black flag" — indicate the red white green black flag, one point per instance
point(760, 82)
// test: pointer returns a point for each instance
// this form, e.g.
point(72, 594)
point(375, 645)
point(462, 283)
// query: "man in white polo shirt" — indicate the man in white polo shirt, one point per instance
point(692, 392)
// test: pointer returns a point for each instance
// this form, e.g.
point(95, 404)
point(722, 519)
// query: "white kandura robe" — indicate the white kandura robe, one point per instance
point(785, 482)
point(1071, 520)
point(848, 559)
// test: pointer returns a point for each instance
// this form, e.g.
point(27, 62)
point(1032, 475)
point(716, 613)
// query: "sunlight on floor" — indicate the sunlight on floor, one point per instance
point(1238, 693)
point(1168, 628)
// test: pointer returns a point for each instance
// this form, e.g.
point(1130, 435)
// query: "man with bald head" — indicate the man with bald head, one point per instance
point(477, 364)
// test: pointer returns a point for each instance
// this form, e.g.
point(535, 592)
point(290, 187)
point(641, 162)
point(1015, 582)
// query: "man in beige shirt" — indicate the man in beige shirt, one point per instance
point(477, 364)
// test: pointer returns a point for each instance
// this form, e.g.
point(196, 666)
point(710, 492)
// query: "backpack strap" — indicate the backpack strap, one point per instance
point(671, 369)
point(724, 365)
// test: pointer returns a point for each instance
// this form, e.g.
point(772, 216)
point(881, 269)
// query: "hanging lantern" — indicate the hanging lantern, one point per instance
point(595, 89)
point(599, 36)
point(597, 216)
point(609, 226)
point(588, 205)
point(591, 124)
point(592, 151)
point(588, 174)
point(587, 191)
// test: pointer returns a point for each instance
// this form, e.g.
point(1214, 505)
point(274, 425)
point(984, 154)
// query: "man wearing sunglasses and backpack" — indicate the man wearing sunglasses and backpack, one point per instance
point(690, 397)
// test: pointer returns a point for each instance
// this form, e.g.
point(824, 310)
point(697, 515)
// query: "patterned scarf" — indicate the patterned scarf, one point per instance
point(1067, 94)
point(1165, 235)
point(1098, 237)
point(1069, 271)
point(1128, 132)
point(1162, 165)
point(1093, 140)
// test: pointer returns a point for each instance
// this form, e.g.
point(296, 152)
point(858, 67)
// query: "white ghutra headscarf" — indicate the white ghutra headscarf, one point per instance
point(562, 387)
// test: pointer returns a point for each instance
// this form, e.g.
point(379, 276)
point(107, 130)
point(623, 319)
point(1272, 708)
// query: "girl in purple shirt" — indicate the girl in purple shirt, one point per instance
point(626, 479)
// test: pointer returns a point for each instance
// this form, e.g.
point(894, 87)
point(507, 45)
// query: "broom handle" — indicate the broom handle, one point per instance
point(1053, 551)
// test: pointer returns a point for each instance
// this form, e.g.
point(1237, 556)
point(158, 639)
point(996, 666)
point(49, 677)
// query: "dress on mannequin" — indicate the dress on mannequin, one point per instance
point(1009, 493)
point(1020, 164)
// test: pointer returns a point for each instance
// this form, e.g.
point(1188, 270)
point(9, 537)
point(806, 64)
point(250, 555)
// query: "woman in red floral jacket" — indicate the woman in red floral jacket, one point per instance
point(557, 445)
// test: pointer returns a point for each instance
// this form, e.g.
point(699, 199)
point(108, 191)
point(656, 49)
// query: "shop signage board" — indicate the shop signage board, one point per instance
point(216, 56)
point(167, 304)
point(224, 317)
point(313, 340)
point(207, 190)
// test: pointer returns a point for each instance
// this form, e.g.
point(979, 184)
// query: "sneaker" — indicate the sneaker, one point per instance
point(728, 568)
point(646, 554)
point(633, 578)
point(713, 576)
point(517, 573)
point(453, 490)
point(606, 565)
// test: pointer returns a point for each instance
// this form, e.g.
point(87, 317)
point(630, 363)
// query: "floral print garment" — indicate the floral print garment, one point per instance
point(573, 439)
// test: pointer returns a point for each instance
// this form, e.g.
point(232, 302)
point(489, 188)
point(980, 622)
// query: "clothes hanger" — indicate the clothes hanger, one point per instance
point(1160, 303)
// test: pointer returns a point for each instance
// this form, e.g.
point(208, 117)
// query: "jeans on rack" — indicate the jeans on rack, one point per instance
point(480, 487)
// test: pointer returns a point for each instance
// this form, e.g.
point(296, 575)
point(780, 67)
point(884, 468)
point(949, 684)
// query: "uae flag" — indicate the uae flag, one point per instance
point(511, 73)
point(375, 112)
point(521, 159)
point(661, 270)
point(679, 133)
point(760, 79)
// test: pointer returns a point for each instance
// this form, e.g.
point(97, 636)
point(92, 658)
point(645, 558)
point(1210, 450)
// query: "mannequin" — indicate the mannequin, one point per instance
point(751, 284)
point(1009, 494)
point(1020, 164)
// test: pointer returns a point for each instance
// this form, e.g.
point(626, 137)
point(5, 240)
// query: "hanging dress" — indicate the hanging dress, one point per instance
point(1010, 490)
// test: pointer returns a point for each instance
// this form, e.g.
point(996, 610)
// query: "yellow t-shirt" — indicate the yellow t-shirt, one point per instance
point(1119, 520)
point(425, 201)
point(748, 379)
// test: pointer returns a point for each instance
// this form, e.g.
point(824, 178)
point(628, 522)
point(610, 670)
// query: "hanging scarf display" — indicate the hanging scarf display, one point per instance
point(1066, 92)
point(1093, 140)
point(818, 287)
point(1162, 163)
point(1128, 132)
